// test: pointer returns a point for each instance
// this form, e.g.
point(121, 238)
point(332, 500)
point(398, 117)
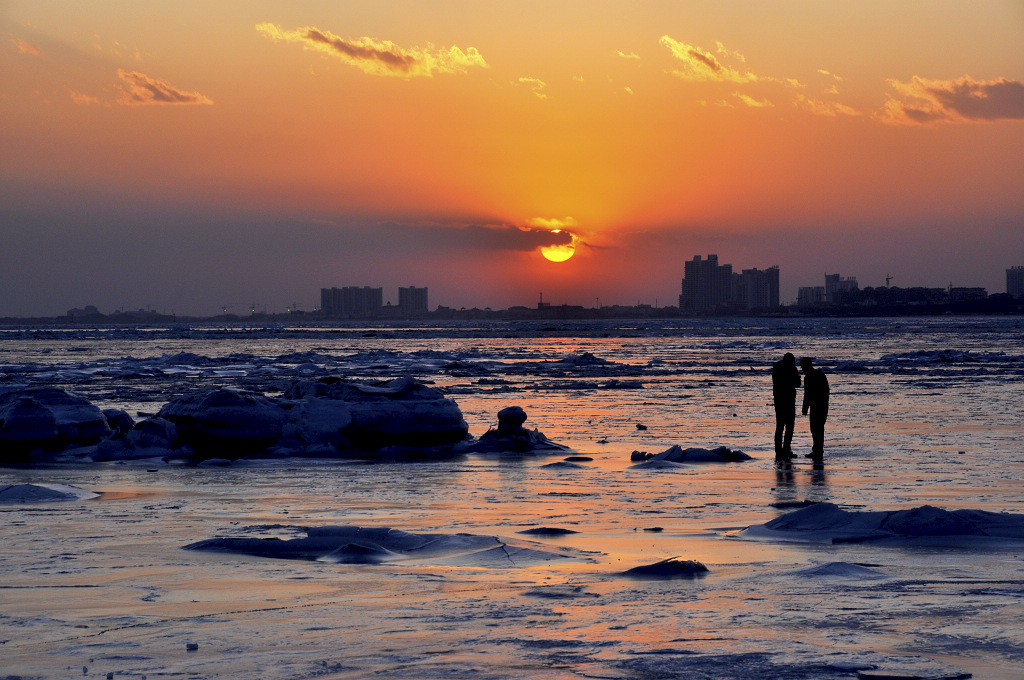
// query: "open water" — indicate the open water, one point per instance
point(924, 411)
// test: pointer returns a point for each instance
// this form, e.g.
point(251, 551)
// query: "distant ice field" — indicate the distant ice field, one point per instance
point(924, 411)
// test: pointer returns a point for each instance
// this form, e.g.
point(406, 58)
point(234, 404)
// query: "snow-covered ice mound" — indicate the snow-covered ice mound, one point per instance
point(225, 422)
point(671, 568)
point(512, 437)
point(46, 418)
point(694, 454)
point(42, 493)
point(376, 545)
point(841, 570)
point(326, 418)
point(398, 412)
point(828, 523)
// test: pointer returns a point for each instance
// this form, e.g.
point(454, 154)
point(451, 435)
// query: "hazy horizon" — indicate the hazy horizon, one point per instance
point(186, 157)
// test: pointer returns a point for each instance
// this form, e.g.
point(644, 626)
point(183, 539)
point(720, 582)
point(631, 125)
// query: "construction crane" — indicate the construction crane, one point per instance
point(888, 278)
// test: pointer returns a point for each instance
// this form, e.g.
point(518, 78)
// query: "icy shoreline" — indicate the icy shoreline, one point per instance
point(926, 414)
point(567, 601)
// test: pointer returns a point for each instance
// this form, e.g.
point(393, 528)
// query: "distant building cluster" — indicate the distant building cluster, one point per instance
point(833, 292)
point(355, 302)
point(844, 292)
point(92, 314)
point(708, 287)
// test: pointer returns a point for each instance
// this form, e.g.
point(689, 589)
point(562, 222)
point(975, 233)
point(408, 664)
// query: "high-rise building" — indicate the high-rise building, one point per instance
point(808, 296)
point(352, 301)
point(1015, 282)
point(706, 284)
point(412, 301)
point(835, 286)
point(756, 288)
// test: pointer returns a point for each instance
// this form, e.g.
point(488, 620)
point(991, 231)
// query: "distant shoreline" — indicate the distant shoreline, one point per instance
point(993, 305)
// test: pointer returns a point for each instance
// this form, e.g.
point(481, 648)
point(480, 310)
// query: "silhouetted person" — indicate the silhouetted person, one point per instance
point(785, 380)
point(816, 404)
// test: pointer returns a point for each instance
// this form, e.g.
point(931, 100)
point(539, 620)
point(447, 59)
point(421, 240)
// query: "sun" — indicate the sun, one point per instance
point(561, 252)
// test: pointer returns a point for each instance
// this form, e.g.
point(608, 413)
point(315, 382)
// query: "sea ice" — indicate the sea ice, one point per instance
point(225, 422)
point(840, 569)
point(828, 523)
point(677, 454)
point(325, 418)
point(511, 437)
point(375, 545)
point(671, 568)
point(46, 418)
point(42, 493)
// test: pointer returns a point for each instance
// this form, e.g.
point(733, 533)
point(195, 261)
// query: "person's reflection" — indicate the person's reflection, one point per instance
point(819, 484)
point(785, 485)
point(789, 481)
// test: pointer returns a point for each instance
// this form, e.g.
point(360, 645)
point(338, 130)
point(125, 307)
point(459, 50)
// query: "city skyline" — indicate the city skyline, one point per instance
point(702, 291)
point(190, 157)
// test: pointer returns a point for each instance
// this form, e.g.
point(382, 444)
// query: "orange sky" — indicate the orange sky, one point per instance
point(192, 156)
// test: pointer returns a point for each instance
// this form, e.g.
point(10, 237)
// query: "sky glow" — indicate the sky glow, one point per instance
point(189, 157)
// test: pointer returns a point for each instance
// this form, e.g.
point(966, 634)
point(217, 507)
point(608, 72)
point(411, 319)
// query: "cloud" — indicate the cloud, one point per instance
point(22, 47)
point(379, 58)
point(629, 55)
point(702, 66)
point(751, 102)
point(141, 90)
point(83, 99)
point(448, 238)
point(820, 107)
point(452, 238)
point(731, 53)
point(699, 65)
point(923, 101)
point(536, 85)
point(552, 222)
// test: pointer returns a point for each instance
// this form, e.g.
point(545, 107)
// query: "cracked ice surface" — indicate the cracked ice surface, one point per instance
point(104, 583)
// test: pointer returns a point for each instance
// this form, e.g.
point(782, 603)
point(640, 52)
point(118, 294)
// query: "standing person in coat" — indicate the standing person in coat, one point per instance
point(816, 403)
point(785, 380)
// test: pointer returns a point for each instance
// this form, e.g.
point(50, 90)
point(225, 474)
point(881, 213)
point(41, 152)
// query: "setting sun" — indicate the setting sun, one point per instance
point(267, 150)
point(560, 252)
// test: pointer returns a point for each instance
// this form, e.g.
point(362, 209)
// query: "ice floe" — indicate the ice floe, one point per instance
point(840, 569)
point(676, 454)
point(547, 531)
point(46, 418)
point(323, 418)
point(828, 523)
point(377, 545)
point(671, 568)
point(511, 437)
point(225, 422)
point(42, 493)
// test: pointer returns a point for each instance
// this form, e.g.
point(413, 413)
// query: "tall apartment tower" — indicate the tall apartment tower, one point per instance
point(1015, 282)
point(352, 301)
point(412, 301)
point(706, 284)
point(757, 288)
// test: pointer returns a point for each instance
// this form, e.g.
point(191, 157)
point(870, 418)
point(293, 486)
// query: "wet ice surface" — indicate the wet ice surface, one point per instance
point(924, 412)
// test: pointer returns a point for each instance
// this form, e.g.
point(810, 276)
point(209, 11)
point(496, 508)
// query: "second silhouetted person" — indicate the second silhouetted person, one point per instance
point(816, 394)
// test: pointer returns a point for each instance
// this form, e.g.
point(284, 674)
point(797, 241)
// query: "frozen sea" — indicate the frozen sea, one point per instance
point(925, 411)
